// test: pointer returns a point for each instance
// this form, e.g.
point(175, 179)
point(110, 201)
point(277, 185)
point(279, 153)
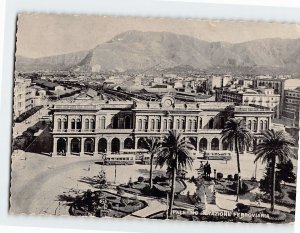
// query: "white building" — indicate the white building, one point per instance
point(22, 96)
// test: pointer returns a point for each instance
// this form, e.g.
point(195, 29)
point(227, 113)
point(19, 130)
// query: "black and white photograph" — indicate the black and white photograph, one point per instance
point(155, 118)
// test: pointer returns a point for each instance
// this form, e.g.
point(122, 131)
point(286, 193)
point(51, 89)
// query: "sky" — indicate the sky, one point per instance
point(41, 35)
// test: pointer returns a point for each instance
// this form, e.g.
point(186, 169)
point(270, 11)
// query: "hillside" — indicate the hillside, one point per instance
point(140, 51)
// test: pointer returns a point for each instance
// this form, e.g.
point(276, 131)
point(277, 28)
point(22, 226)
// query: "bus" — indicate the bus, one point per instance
point(119, 159)
point(146, 159)
point(139, 153)
point(218, 154)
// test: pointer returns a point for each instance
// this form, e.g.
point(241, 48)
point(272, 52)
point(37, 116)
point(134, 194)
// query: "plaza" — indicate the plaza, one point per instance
point(39, 182)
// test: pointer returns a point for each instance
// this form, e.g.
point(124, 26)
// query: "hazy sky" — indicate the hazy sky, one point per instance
point(40, 35)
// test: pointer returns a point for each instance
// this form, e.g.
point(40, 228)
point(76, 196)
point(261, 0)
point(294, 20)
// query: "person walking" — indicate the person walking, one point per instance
point(201, 169)
point(208, 170)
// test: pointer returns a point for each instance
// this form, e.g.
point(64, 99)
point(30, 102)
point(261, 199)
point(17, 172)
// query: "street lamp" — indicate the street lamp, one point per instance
point(115, 173)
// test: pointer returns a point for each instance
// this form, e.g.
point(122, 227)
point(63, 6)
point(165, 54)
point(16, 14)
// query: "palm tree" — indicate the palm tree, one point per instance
point(234, 133)
point(276, 146)
point(175, 153)
point(153, 146)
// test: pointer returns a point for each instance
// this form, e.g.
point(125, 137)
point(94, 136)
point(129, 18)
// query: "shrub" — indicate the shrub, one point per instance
point(146, 190)
point(120, 192)
point(141, 179)
point(236, 176)
point(124, 201)
point(229, 177)
point(240, 207)
point(20, 143)
point(219, 175)
point(33, 129)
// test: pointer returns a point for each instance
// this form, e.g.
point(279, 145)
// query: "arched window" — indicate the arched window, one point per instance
point(170, 124)
point(92, 124)
point(200, 123)
point(146, 124)
point(65, 124)
point(266, 124)
point(177, 124)
point(261, 125)
point(115, 122)
point(254, 125)
point(211, 123)
point(215, 144)
point(59, 124)
point(195, 125)
point(165, 124)
point(249, 124)
point(140, 124)
point(127, 122)
point(78, 124)
point(190, 125)
point(73, 124)
point(203, 144)
point(102, 122)
point(128, 143)
point(158, 124)
point(182, 124)
point(86, 123)
point(152, 125)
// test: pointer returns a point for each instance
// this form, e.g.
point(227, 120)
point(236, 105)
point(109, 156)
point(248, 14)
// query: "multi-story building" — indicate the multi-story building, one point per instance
point(22, 96)
point(291, 107)
point(89, 127)
point(260, 97)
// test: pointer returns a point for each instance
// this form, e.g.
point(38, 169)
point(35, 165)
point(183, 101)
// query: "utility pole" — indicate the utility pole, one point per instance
point(115, 173)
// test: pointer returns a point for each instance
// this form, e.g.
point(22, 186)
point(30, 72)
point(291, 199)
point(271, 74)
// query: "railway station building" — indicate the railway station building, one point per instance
point(91, 126)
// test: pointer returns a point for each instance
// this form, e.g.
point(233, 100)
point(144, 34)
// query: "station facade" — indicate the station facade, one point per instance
point(91, 127)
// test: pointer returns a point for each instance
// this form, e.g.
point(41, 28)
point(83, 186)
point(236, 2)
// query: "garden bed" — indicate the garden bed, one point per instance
point(161, 187)
point(103, 203)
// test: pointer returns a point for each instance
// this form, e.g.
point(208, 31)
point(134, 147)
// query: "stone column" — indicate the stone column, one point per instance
point(54, 152)
point(220, 144)
point(136, 142)
point(208, 144)
point(122, 143)
point(68, 153)
point(108, 151)
point(82, 147)
point(96, 144)
point(162, 124)
point(198, 123)
point(197, 144)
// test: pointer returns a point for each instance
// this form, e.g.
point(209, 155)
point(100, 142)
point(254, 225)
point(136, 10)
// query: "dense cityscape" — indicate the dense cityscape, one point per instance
point(170, 119)
point(108, 118)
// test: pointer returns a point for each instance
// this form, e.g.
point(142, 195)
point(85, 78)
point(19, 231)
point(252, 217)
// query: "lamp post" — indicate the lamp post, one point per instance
point(115, 173)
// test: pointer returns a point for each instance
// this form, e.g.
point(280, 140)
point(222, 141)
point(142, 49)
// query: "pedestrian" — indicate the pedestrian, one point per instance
point(208, 170)
point(89, 168)
point(201, 168)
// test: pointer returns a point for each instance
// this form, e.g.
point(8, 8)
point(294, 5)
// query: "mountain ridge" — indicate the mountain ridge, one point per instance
point(136, 50)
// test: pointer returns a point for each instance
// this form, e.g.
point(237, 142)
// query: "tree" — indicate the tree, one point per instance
point(276, 146)
point(153, 146)
point(266, 182)
point(234, 133)
point(285, 172)
point(175, 153)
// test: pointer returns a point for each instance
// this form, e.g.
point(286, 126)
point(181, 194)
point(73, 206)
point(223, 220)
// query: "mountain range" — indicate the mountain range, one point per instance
point(156, 51)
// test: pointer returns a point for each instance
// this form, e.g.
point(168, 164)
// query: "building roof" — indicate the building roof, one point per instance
point(46, 83)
